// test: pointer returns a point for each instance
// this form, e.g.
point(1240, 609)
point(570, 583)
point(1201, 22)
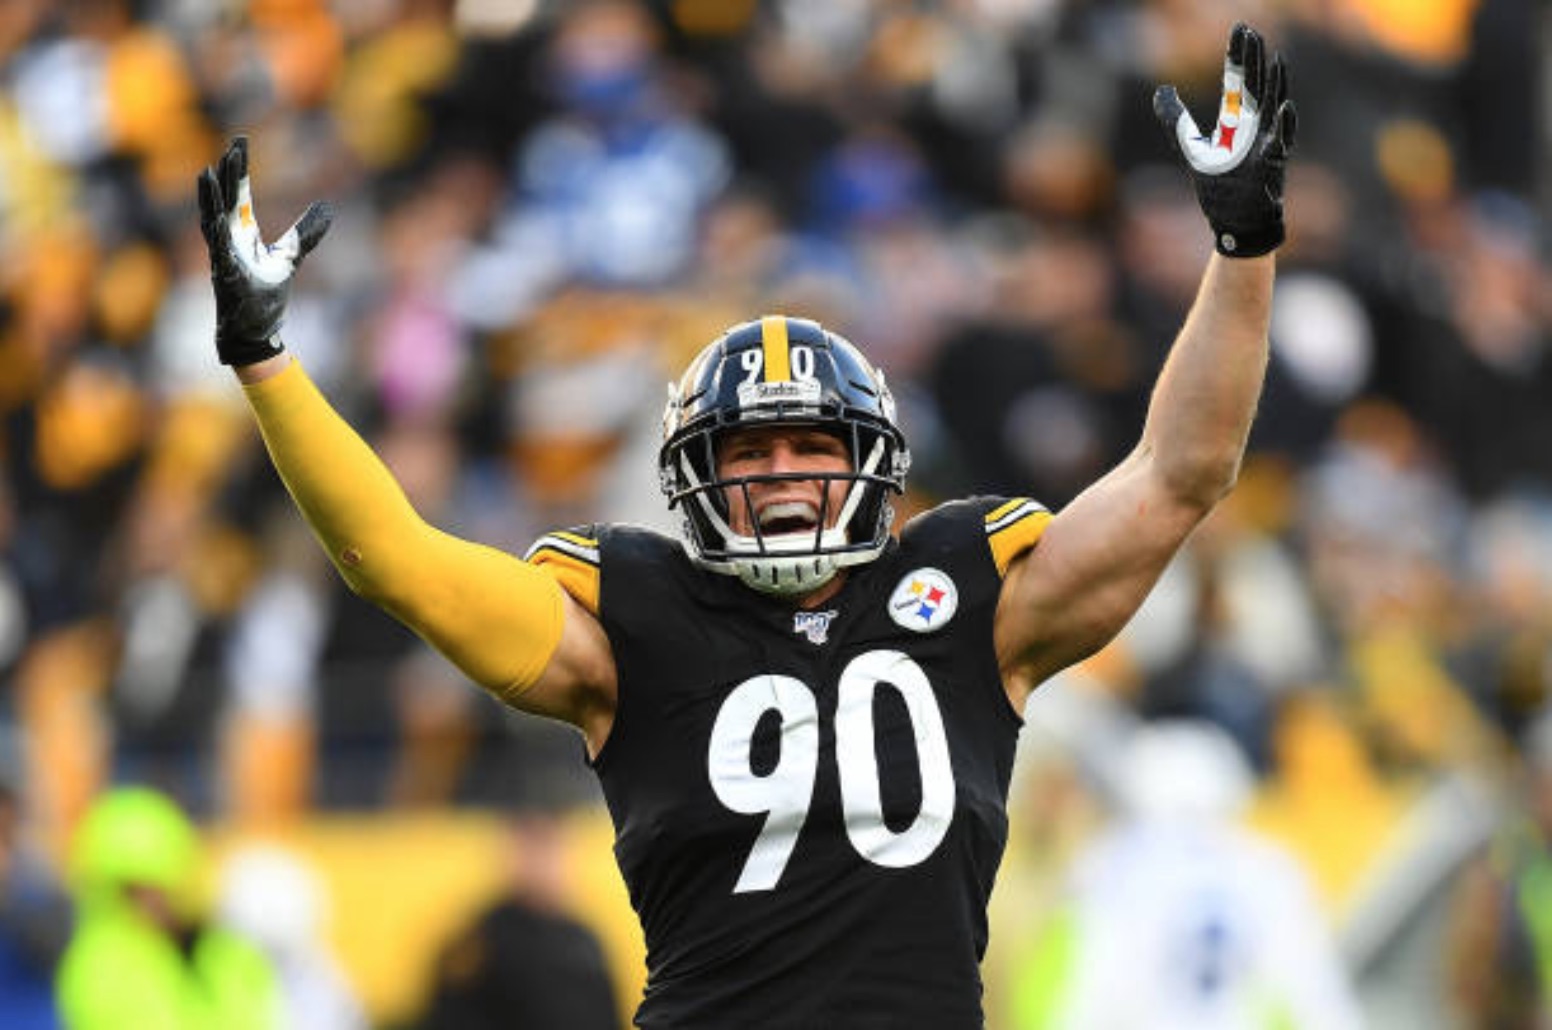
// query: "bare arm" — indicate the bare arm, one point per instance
point(1101, 555)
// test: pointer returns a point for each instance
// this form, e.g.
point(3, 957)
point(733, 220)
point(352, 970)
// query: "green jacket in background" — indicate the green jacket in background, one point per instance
point(122, 972)
point(123, 969)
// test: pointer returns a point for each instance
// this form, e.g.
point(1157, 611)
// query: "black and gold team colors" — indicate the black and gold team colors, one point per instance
point(798, 715)
point(781, 371)
point(809, 805)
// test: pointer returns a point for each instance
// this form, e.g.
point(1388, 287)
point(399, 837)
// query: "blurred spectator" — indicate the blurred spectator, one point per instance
point(1480, 378)
point(542, 205)
point(34, 923)
point(1232, 628)
point(1326, 322)
point(273, 649)
point(142, 953)
point(274, 899)
point(1504, 652)
point(1500, 955)
point(616, 181)
point(526, 961)
point(1178, 917)
point(1033, 390)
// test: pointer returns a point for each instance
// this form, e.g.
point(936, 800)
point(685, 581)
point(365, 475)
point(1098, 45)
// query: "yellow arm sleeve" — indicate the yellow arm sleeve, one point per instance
point(493, 615)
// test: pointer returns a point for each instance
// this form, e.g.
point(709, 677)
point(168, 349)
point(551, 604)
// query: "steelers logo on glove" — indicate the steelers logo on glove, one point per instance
point(1239, 168)
point(251, 278)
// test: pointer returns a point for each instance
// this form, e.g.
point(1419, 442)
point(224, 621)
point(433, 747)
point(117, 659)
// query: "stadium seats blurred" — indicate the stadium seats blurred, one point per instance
point(545, 207)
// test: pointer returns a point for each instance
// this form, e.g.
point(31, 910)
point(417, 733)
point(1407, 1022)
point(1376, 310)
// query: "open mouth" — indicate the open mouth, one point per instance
point(788, 517)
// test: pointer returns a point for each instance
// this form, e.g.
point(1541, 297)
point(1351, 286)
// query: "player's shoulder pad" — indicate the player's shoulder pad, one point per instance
point(576, 557)
point(1013, 526)
point(1009, 525)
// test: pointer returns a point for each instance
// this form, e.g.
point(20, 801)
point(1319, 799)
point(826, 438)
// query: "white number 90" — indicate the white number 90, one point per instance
point(785, 793)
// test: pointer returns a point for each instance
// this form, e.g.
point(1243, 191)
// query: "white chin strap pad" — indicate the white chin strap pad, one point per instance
point(786, 577)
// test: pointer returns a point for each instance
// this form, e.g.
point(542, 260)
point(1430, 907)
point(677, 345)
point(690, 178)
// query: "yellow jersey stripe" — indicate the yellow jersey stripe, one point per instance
point(576, 575)
point(581, 548)
point(586, 542)
point(778, 354)
point(1014, 528)
point(1003, 509)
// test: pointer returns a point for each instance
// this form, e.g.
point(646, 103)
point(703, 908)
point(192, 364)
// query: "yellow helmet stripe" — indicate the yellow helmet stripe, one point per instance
point(778, 355)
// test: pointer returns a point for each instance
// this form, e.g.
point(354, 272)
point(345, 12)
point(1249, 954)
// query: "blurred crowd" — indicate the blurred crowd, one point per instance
point(545, 207)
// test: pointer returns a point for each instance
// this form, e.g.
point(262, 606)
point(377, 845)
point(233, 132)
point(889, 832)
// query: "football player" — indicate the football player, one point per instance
point(804, 726)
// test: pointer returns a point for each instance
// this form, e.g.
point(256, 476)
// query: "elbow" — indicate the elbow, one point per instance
point(374, 581)
point(390, 594)
point(1214, 483)
point(1199, 481)
point(1202, 492)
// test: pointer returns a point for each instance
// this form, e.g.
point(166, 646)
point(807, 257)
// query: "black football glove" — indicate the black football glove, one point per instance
point(1238, 171)
point(251, 278)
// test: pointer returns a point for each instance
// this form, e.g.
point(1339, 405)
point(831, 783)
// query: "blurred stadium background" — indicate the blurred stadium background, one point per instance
point(545, 207)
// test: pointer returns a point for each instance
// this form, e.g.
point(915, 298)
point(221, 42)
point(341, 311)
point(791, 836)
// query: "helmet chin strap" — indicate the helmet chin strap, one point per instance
point(788, 577)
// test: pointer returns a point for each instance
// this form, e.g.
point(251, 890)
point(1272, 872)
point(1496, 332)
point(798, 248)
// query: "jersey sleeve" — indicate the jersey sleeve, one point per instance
point(1012, 528)
point(572, 557)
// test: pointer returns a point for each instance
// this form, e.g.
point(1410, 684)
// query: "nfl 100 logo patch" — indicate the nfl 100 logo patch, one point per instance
point(924, 601)
point(813, 625)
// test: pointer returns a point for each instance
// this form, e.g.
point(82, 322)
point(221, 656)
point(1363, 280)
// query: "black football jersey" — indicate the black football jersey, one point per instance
point(809, 806)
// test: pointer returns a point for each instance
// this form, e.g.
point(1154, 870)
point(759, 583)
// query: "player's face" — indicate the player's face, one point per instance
point(789, 505)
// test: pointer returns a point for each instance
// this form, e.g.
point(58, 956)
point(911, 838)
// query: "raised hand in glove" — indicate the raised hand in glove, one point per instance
point(251, 278)
point(1239, 169)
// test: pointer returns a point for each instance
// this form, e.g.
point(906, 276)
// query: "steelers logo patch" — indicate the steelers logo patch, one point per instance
point(924, 601)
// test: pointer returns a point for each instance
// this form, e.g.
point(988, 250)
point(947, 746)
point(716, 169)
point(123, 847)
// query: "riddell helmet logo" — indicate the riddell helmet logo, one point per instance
point(924, 601)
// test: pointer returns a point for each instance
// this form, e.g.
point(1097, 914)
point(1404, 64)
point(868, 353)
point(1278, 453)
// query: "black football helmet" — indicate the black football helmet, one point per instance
point(782, 371)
